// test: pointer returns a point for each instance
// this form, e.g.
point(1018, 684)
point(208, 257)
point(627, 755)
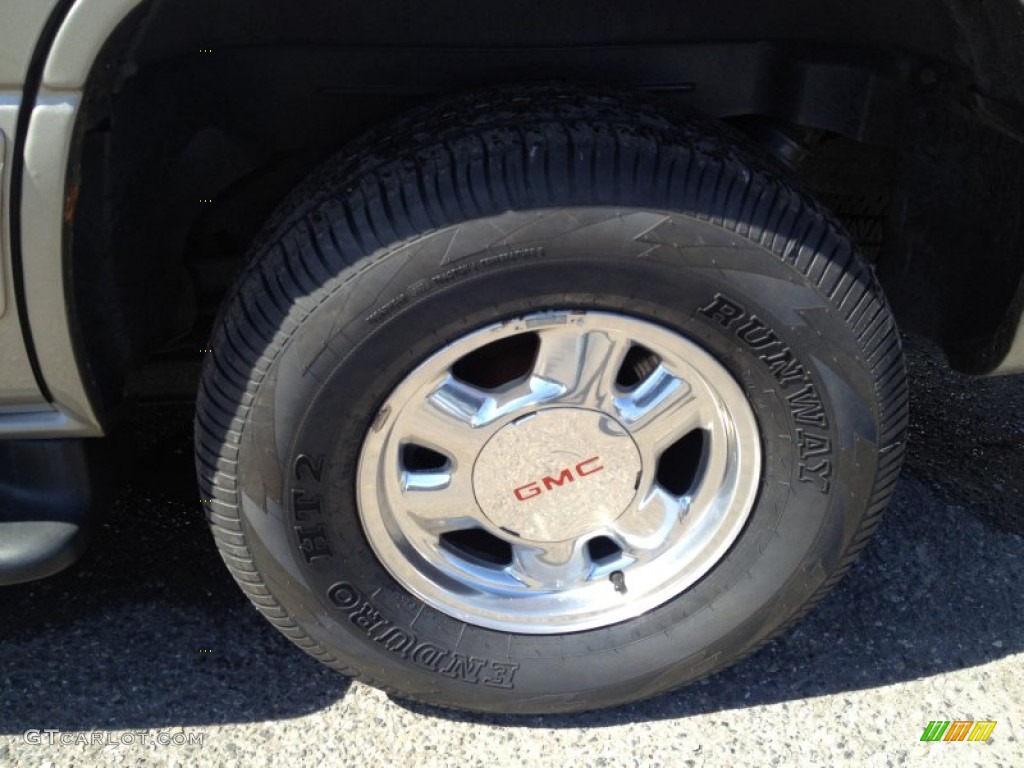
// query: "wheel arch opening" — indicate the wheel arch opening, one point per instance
point(197, 120)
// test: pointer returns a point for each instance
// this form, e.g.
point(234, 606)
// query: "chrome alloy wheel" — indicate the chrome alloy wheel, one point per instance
point(560, 471)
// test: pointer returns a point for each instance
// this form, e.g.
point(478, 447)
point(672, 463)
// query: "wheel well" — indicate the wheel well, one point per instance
point(198, 119)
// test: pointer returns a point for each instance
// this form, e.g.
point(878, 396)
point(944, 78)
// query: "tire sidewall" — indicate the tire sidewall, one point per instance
point(795, 358)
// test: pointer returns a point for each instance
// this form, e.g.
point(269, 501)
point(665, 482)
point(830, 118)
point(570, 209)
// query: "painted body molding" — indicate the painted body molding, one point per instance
point(78, 42)
point(82, 34)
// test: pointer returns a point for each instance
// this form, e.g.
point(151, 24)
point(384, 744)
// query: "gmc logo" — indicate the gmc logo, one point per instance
point(584, 468)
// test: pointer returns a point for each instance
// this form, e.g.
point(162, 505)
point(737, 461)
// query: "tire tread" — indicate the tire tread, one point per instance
point(699, 165)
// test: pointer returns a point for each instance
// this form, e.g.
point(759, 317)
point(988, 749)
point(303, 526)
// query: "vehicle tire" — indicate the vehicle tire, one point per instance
point(544, 400)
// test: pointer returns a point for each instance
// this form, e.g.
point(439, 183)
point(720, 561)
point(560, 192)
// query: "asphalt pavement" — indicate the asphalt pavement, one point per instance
point(146, 654)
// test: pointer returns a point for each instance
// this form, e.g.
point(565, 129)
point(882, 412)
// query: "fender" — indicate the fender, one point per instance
point(53, 95)
point(82, 34)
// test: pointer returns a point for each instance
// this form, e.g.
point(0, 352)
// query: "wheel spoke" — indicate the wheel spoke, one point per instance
point(643, 531)
point(516, 398)
point(446, 421)
point(584, 364)
point(555, 565)
point(714, 476)
point(439, 500)
point(660, 410)
point(458, 413)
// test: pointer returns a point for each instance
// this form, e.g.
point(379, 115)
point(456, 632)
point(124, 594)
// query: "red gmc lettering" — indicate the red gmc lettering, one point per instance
point(528, 491)
point(567, 475)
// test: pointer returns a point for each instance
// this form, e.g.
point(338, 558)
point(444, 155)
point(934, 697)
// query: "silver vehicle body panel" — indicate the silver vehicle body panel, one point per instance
point(21, 401)
point(18, 390)
point(23, 21)
point(83, 33)
point(23, 410)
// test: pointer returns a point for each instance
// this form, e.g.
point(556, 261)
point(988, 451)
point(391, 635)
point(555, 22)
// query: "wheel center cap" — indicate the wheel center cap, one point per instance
point(557, 474)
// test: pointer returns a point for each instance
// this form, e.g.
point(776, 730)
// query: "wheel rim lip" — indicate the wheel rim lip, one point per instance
point(477, 594)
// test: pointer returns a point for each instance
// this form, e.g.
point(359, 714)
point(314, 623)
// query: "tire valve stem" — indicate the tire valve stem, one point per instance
point(618, 581)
